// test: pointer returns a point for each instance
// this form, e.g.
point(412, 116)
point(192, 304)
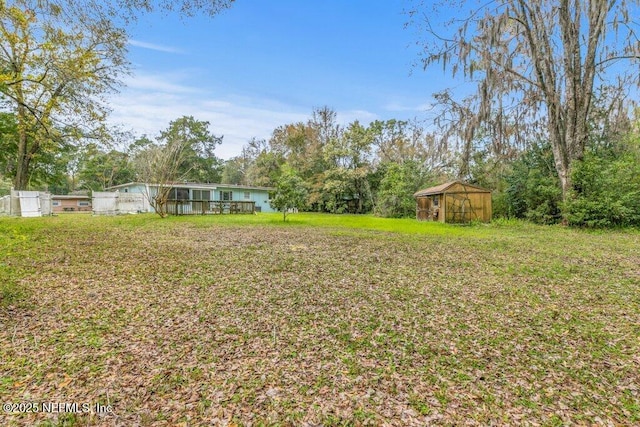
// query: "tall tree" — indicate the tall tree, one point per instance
point(54, 65)
point(128, 11)
point(395, 193)
point(349, 156)
point(57, 59)
point(537, 62)
point(184, 152)
point(99, 169)
point(160, 165)
point(199, 162)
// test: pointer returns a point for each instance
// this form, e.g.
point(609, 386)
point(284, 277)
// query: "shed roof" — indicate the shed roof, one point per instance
point(442, 188)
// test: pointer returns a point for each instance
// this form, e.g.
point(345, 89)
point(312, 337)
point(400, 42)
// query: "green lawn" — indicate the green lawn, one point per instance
point(323, 320)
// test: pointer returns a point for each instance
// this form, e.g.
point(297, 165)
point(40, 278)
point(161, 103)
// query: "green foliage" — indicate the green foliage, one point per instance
point(344, 184)
point(290, 193)
point(489, 170)
point(100, 169)
point(56, 62)
point(8, 144)
point(343, 166)
point(266, 169)
point(5, 185)
point(48, 165)
point(233, 172)
point(14, 239)
point(533, 190)
point(198, 162)
point(607, 188)
point(184, 152)
point(395, 195)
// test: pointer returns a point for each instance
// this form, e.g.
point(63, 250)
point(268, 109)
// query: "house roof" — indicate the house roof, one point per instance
point(195, 185)
point(69, 197)
point(442, 188)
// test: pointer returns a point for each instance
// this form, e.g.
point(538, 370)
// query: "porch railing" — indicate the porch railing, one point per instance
point(209, 207)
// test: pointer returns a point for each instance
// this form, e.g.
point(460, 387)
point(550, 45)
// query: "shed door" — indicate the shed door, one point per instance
point(424, 207)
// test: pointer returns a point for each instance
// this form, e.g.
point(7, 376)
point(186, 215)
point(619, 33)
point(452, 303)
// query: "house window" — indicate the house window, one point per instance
point(83, 204)
point(201, 195)
point(436, 200)
point(226, 196)
point(179, 194)
point(247, 195)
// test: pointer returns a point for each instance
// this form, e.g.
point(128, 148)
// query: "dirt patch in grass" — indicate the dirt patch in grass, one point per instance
point(263, 325)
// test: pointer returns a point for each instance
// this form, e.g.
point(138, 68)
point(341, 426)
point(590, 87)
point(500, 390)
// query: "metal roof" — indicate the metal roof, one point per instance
point(194, 185)
point(442, 188)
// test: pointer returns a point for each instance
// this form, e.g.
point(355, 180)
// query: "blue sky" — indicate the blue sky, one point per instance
point(262, 64)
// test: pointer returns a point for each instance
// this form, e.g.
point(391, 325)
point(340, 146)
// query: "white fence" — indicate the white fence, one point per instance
point(29, 203)
point(46, 204)
point(26, 204)
point(108, 203)
point(5, 205)
point(39, 203)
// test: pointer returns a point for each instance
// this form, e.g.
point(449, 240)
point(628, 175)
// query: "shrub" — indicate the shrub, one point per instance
point(606, 189)
point(395, 194)
point(533, 190)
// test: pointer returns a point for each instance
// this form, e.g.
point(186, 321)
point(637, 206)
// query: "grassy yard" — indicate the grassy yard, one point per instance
point(324, 320)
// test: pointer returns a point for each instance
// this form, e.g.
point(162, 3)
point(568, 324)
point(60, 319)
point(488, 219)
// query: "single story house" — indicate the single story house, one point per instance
point(70, 203)
point(192, 196)
point(453, 202)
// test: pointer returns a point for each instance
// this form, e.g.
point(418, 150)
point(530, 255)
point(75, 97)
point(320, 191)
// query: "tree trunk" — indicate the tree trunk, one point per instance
point(568, 144)
point(23, 156)
point(21, 180)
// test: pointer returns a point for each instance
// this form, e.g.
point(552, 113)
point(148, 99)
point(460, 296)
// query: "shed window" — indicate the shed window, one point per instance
point(56, 203)
point(436, 200)
point(81, 204)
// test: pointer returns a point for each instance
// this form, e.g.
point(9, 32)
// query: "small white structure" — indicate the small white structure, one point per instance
point(116, 203)
point(29, 204)
point(26, 203)
point(131, 203)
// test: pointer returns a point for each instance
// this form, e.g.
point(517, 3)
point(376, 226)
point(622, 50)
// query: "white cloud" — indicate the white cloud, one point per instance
point(363, 116)
point(168, 83)
point(150, 101)
point(152, 46)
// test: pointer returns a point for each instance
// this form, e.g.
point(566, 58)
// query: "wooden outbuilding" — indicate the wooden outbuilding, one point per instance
point(453, 202)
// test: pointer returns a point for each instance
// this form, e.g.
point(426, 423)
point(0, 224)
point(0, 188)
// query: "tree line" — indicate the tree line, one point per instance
point(373, 168)
point(549, 125)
